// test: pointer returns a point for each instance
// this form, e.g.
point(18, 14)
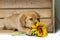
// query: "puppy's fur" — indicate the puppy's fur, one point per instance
point(22, 22)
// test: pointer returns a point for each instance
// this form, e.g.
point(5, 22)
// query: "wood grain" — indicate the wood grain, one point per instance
point(44, 13)
point(25, 3)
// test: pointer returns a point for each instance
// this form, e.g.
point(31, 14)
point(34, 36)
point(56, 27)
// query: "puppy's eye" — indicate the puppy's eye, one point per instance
point(38, 19)
point(31, 18)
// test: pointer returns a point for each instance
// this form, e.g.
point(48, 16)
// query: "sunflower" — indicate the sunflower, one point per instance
point(39, 29)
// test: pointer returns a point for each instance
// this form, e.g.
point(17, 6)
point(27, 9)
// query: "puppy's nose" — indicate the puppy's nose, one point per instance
point(35, 23)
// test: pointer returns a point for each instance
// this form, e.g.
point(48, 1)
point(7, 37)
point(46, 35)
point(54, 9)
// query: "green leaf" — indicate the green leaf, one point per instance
point(18, 34)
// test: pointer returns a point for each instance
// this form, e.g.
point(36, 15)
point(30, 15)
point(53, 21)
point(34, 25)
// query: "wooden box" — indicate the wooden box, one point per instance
point(45, 8)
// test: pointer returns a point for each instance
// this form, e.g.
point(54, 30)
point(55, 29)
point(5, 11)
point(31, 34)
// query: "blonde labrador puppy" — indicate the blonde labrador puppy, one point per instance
point(22, 22)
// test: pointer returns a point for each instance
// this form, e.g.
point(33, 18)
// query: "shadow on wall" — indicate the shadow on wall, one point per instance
point(57, 15)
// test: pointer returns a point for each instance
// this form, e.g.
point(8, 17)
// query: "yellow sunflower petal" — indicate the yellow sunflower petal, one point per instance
point(38, 23)
point(44, 31)
point(41, 24)
point(36, 32)
point(33, 30)
point(34, 27)
point(40, 34)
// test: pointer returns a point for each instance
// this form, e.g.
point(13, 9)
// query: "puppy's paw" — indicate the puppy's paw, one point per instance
point(28, 32)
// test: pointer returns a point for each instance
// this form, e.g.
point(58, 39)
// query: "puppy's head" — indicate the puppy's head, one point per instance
point(29, 18)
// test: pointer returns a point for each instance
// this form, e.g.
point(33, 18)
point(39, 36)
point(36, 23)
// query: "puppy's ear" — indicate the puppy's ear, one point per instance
point(22, 20)
point(38, 16)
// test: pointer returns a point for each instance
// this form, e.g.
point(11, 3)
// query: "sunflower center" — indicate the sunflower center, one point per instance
point(39, 29)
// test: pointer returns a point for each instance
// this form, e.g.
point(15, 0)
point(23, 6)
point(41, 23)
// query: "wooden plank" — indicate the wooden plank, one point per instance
point(1, 24)
point(44, 13)
point(25, 3)
point(53, 15)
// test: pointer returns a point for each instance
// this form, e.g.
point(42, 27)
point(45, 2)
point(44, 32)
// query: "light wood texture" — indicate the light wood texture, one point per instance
point(25, 3)
point(44, 13)
point(53, 15)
